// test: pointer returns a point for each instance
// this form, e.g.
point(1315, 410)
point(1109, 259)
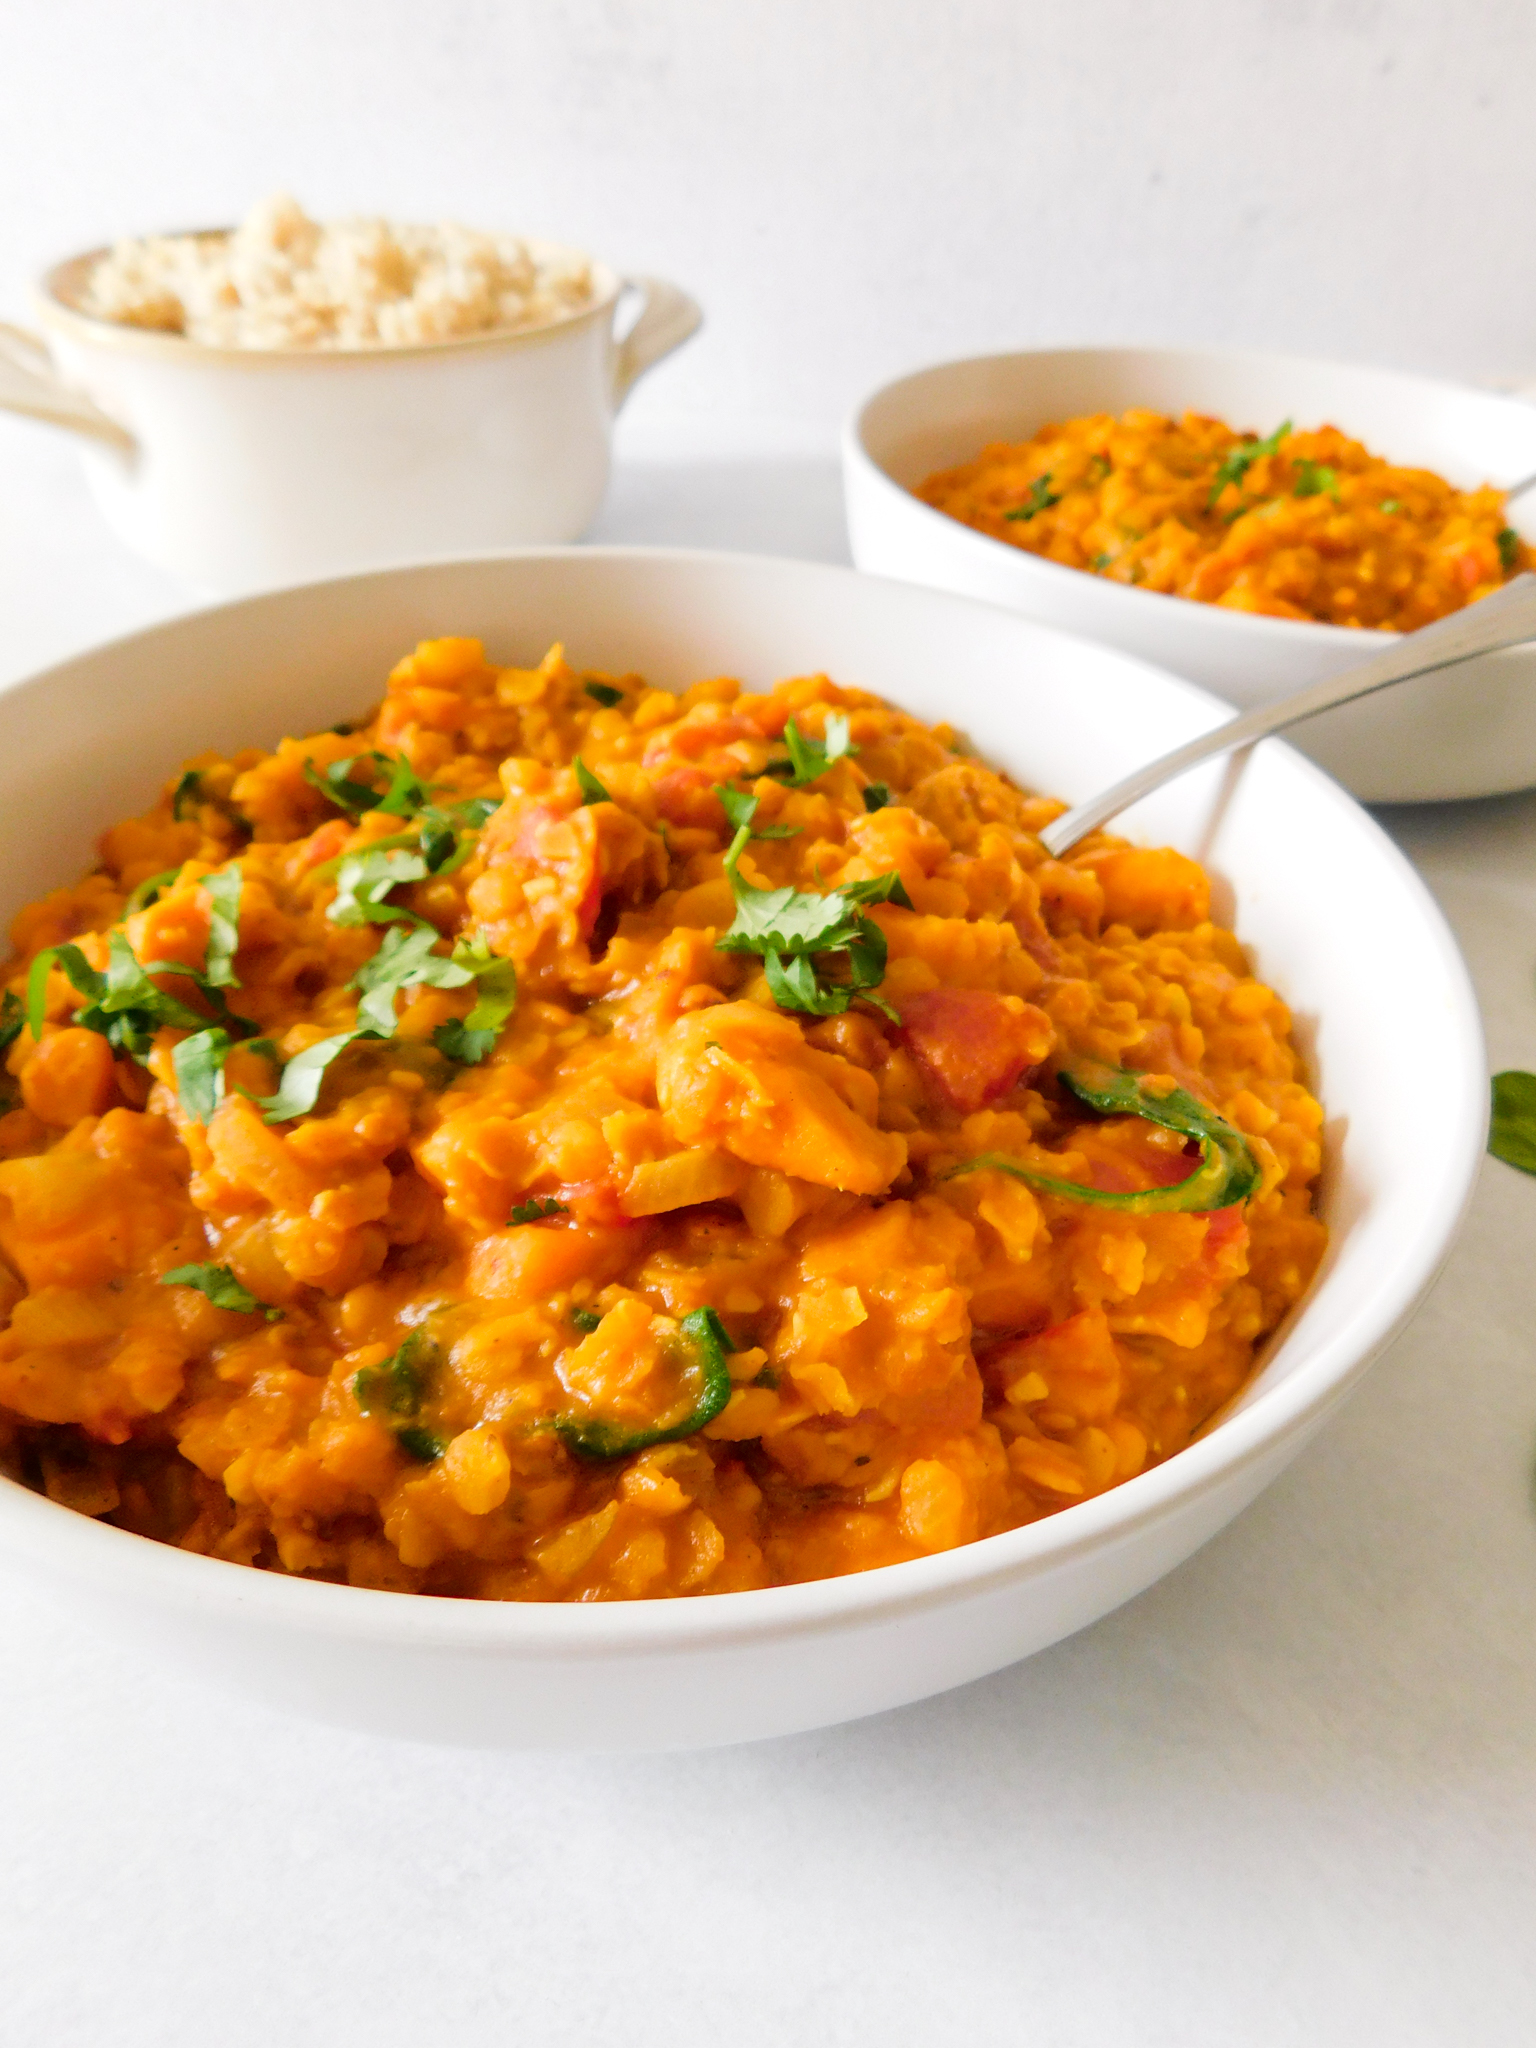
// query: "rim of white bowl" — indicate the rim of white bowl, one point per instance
point(95, 330)
point(61, 1539)
point(1216, 618)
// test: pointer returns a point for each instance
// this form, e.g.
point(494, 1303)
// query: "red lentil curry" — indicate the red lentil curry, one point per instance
point(1296, 526)
point(558, 1140)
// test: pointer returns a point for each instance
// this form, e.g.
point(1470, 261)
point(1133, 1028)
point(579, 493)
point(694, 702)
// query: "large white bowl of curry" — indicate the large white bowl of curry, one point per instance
point(1333, 917)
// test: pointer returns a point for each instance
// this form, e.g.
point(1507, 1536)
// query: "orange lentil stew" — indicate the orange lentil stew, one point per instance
point(1296, 526)
point(558, 1140)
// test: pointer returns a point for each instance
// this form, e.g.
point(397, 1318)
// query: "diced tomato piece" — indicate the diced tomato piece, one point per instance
point(685, 796)
point(972, 1044)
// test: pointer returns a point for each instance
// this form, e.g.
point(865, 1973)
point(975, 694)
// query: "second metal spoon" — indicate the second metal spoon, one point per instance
point(1502, 620)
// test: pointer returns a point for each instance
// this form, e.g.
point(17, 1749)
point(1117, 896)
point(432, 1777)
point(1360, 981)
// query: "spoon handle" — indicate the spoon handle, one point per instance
point(1502, 620)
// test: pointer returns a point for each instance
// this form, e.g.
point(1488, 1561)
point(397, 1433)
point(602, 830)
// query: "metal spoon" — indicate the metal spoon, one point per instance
point(1502, 620)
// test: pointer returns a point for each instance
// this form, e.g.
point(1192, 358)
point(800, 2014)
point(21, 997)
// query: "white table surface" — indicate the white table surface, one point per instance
point(1287, 1796)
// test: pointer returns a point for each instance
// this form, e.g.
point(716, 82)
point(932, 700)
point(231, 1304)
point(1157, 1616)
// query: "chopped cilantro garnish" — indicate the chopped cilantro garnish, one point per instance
point(1315, 479)
point(765, 1377)
point(188, 791)
point(604, 693)
point(536, 1208)
point(198, 1063)
point(787, 927)
point(391, 1392)
point(405, 959)
point(221, 1287)
point(1509, 549)
point(224, 889)
point(1237, 462)
point(469, 1039)
point(741, 809)
point(876, 796)
point(1101, 563)
point(1040, 499)
point(810, 758)
point(586, 1319)
point(403, 795)
point(298, 1090)
point(12, 1016)
point(149, 891)
point(363, 880)
point(592, 791)
point(1391, 505)
point(126, 1006)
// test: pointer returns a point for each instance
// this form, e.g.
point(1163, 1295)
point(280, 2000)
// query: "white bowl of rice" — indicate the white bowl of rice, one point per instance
point(285, 399)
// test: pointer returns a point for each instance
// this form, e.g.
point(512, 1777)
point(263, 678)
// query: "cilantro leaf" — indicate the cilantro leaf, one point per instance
point(221, 1287)
point(198, 1063)
point(1314, 479)
point(1391, 505)
point(125, 1006)
point(469, 1039)
point(188, 790)
point(403, 795)
point(12, 1016)
point(592, 791)
point(1237, 462)
point(1512, 1130)
point(394, 1386)
point(786, 926)
point(224, 889)
point(405, 959)
point(1509, 549)
point(876, 796)
point(299, 1088)
point(420, 1444)
point(536, 1208)
point(809, 758)
point(586, 1320)
point(363, 880)
point(1041, 498)
point(741, 809)
point(604, 693)
point(150, 891)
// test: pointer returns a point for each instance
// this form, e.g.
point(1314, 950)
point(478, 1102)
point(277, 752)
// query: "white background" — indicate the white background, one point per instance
point(1288, 1796)
point(850, 186)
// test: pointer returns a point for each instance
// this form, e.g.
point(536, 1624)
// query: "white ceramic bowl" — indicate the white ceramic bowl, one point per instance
point(1470, 731)
point(242, 468)
point(1335, 918)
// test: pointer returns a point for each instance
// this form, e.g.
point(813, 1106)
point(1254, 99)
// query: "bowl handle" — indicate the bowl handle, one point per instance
point(667, 317)
point(30, 384)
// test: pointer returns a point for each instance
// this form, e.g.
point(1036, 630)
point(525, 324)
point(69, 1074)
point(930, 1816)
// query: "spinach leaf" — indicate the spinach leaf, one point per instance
point(1512, 1128)
point(709, 1345)
point(1227, 1174)
point(221, 1287)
